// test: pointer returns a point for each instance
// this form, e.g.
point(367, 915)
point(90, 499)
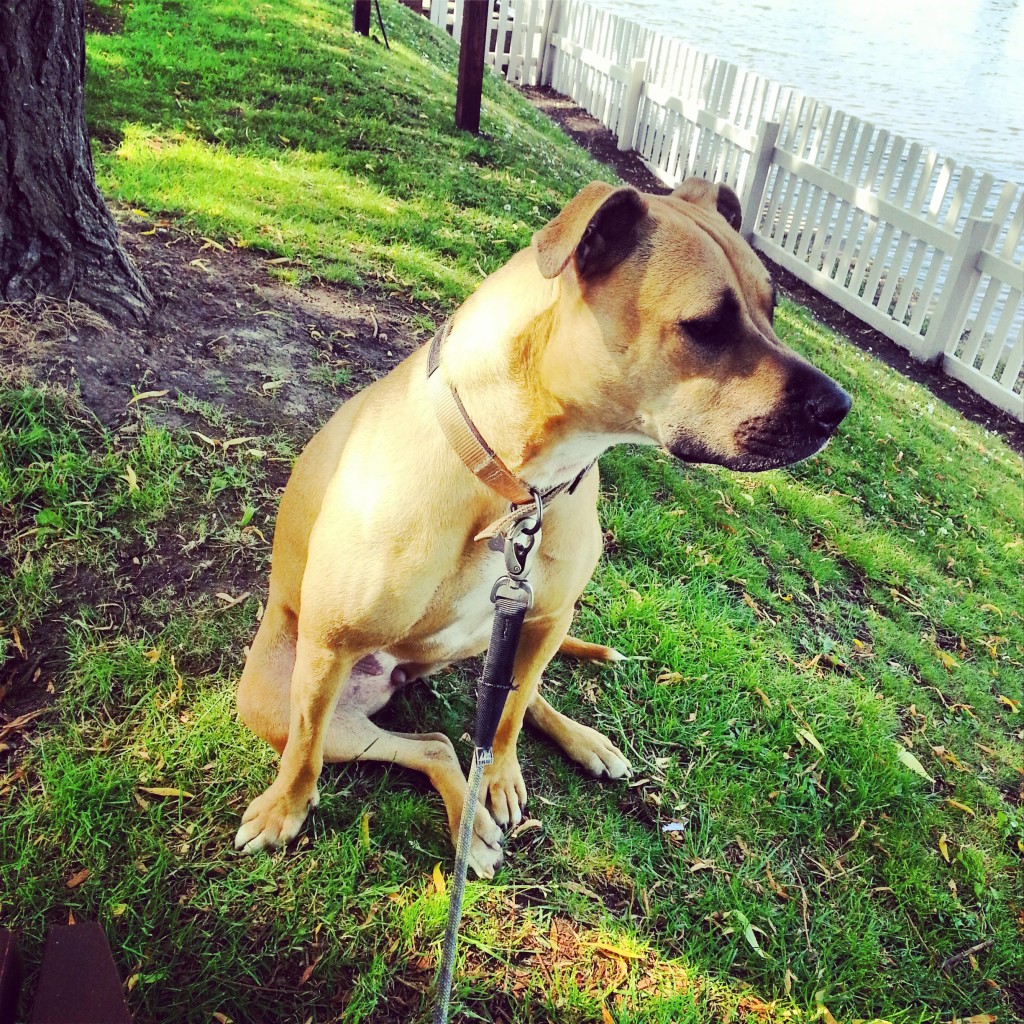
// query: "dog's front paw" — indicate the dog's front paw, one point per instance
point(504, 791)
point(485, 853)
point(274, 818)
point(597, 755)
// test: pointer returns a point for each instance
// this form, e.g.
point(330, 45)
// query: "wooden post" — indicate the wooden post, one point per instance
point(361, 17)
point(757, 177)
point(476, 19)
point(631, 103)
point(958, 290)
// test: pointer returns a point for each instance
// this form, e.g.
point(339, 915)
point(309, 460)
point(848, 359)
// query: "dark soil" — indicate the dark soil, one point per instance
point(589, 133)
point(226, 333)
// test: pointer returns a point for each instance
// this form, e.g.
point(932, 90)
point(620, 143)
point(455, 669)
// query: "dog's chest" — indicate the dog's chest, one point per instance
point(464, 631)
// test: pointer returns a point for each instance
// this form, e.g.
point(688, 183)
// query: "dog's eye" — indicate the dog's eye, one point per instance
point(705, 332)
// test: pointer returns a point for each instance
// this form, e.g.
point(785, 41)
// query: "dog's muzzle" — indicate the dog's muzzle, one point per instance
point(811, 409)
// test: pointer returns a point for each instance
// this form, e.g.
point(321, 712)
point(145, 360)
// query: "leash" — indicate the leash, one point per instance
point(512, 596)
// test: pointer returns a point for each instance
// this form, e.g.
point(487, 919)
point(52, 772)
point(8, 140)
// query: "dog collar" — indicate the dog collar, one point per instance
point(477, 455)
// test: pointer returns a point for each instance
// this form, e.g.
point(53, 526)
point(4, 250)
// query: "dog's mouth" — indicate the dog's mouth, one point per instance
point(796, 429)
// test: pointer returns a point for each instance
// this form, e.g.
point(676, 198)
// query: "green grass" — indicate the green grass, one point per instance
point(794, 630)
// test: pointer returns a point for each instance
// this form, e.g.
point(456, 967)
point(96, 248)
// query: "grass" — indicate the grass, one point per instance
point(797, 633)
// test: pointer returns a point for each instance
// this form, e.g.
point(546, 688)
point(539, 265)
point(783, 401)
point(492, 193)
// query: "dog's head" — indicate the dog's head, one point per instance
point(676, 313)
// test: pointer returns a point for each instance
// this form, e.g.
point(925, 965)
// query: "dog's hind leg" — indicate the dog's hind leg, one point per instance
point(353, 737)
point(594, 752)
point(263, 689)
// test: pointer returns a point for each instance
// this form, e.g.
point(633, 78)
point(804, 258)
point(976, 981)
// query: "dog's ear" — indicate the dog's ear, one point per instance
point(599, 227)
point(720, 198)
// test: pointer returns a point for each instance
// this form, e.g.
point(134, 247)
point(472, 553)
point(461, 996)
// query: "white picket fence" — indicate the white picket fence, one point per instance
point(929, 254)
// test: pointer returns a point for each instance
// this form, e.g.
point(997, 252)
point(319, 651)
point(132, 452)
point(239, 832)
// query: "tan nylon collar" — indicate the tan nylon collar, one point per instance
point(476, 453)
point(462, 434)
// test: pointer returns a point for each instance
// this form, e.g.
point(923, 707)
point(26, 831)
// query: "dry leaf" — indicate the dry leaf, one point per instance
point(607, 947)
point(118, 909)
point(606, 1017)
point(1011, 704)
point(148, 394)
point(438, 879)
point(273, 385)
point(364, 830)
point(152, 655)
point(132, 982)
point(948, 661)
point(133, 480)
point(166, 791)
point(943, 848)
point(991, 608)
point(77, 878)
point(960, 807)
point(307, 972)
point(911, 762)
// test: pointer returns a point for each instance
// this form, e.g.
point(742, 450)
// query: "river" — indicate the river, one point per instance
point(946, 73)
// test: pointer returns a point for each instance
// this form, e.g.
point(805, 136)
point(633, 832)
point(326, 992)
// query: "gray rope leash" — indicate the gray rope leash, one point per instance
point(443, 995)
point(512, 597)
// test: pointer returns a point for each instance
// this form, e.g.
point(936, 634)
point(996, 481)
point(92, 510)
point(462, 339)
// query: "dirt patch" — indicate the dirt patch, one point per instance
point(589, 133)
point(227, 337)
point(106, 20)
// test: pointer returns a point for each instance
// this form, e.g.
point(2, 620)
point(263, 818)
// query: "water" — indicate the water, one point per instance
point(946, 73)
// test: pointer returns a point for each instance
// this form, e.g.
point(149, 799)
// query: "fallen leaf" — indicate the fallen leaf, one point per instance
point(152, 655)
point(943, 848)
point(811, 738)
point(273, 385)
point(118, 909)
point(702, 865)
point(304, 977)
point(960, 807)
point(133, 480)
point(132, 982)
point(991, 608)
point(607, 947)
point(364, 829)
point(606, 1017)
point(1011, 704)
point(904, 755)
point(438, 879)
point(166, 791)
point(77, 878)
point(948, 661)
point(142, 396)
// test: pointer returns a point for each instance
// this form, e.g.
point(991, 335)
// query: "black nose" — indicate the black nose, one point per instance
point(828, 408)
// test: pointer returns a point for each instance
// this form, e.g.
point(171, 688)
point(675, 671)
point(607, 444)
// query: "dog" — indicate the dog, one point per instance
point(631, 318)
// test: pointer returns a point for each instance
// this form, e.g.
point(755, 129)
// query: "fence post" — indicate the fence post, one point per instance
point(958, 290)
point(757, 176)
point(546, 61)
point(631, 102)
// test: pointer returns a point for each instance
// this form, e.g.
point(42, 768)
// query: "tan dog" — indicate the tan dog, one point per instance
point(633, 318)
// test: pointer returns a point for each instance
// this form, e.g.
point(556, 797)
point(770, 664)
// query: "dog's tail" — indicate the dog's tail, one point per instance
point(589, 652)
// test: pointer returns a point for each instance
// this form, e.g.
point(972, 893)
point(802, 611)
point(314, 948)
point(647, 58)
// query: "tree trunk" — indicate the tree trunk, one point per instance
point(57, 236)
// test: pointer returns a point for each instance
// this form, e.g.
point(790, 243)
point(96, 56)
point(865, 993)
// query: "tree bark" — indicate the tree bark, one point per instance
point(57, 236)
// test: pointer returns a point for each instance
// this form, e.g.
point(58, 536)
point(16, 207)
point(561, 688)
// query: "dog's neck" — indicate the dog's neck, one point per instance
point(507, 354)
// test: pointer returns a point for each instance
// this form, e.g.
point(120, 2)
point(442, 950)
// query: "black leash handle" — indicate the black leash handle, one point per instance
point(496, 681)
